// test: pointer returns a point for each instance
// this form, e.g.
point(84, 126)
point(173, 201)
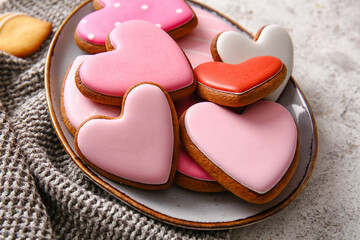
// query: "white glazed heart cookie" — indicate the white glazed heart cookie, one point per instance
point(234, 48)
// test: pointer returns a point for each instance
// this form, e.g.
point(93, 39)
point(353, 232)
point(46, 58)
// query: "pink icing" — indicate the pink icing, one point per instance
point(77, 107)
point(255, 148)
point(196, 44)
point(189, 167)
point(139, 145)
point(143, 53)
point(168, 14)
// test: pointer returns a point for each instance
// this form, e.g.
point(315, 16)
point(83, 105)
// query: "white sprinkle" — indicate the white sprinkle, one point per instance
point(91, 36)
point(179, 10)
point(83, 21)
point(117, 4)
point(158, 25)
point(117, 24)
point(144, 7)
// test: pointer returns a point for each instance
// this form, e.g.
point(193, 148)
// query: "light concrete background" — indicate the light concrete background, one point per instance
point(326, 37)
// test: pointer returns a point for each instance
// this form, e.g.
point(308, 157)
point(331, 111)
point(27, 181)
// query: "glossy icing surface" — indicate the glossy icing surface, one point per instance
point(235, 48)
point(196, 44)
point(77, 107)
point(167, 14)
point(189, 167)
point(255, 148)
point(238, 78)
point(143, 52)
point(139, 145)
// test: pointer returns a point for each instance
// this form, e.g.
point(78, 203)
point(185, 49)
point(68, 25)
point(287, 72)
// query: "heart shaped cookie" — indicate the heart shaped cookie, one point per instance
point(173, 16)
point(253, 154)
point(140, 147)
point(75, 108)
point(233, 47)
point(236, 85)
point(143, 52)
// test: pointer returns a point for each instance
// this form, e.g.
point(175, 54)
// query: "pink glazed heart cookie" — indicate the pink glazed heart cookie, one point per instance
point(237, 85)
point(173, 16)
point(233, 47)
point(75, 108)
point(253, 154)
point(189, 174)
point(140, 147)
point(143, 52)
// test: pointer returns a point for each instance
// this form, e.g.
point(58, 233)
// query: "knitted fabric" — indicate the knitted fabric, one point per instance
point(43, 195)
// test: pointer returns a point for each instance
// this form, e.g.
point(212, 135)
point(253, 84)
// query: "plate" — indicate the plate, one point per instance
point(175, 205)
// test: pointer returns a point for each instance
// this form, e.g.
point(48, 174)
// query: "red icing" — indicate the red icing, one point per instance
point(238, 78)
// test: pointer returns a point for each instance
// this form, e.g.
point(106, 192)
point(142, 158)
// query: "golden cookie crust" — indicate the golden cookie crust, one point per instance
point(22, 35)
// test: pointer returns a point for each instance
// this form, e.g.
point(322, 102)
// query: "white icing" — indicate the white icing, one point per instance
point(91, 36)
point(234, 48)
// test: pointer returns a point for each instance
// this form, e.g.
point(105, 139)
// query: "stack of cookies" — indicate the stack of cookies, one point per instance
point(171, 93)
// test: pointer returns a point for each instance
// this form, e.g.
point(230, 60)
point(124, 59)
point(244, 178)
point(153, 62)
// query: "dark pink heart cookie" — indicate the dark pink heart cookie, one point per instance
point(143, 52)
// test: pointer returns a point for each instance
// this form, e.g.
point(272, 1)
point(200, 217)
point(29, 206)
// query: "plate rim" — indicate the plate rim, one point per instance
point(147, 210)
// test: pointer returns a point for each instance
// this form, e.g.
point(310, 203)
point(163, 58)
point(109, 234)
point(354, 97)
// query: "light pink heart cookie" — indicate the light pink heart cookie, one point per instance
point(234, 48)
point(139, 148)
point(75, 108)
point(252, 154)
point(196, 44)
point(143, 52)
point(173, 16)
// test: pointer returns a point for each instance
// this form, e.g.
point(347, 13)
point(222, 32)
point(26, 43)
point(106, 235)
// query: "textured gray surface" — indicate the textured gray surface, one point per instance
point(326, 36)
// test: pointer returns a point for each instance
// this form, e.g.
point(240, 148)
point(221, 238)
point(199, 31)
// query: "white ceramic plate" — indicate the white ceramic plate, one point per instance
point(175, 205)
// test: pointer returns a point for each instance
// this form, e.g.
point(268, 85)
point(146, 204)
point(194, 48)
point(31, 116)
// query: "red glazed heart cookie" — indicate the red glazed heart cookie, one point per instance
point(143, 52)
point(233, 47)
point(253, 154)
point(240, 84)
point(140, 147)
point(173, 16)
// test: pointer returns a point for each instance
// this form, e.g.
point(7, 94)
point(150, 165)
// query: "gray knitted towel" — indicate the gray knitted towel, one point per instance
point(43, 195)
